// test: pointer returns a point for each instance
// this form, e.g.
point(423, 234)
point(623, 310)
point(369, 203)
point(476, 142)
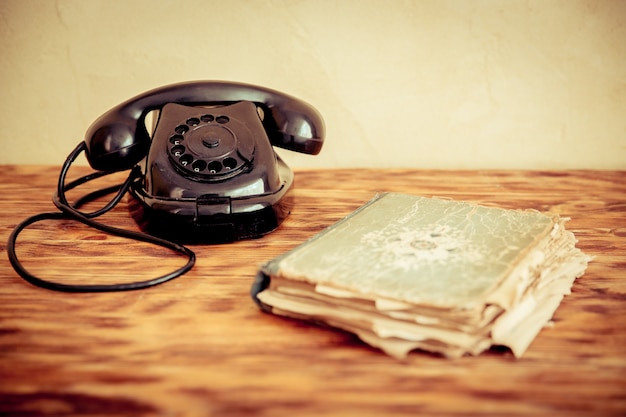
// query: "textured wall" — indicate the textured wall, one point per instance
point(447, 84)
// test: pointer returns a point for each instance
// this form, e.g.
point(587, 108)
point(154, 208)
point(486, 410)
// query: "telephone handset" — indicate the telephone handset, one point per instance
point(208, 173)
point(119, 139)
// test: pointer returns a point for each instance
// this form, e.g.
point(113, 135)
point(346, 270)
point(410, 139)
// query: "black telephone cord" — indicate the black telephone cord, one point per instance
point(72, 212)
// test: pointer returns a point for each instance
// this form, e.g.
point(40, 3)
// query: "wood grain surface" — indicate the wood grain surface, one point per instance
point(198, 345)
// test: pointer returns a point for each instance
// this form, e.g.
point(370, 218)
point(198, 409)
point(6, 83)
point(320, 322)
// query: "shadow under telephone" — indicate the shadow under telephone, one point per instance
point(208, 174)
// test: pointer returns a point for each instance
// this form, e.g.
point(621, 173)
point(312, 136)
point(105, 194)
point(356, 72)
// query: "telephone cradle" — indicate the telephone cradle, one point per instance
point(215, 179)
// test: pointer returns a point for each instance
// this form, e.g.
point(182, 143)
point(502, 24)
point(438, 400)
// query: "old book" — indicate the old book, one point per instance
point(405, 272)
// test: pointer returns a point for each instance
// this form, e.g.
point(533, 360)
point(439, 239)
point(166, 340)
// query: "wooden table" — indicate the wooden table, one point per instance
point(198, 345)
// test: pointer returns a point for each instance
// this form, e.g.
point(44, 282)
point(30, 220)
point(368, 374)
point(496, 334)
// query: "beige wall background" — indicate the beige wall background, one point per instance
point(536, 84)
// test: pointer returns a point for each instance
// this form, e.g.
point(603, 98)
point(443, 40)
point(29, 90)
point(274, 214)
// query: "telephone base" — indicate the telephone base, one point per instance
point(187, 228)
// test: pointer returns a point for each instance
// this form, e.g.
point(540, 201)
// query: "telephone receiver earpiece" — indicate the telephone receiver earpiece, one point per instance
point(118, 140)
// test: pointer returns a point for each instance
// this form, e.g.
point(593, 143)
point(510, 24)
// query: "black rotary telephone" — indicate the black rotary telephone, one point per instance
point(208, 174)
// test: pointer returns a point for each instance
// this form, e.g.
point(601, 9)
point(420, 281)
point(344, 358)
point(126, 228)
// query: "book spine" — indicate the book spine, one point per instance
point(261, 282)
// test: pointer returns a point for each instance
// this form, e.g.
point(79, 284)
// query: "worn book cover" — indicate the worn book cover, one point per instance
point(405, 272)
